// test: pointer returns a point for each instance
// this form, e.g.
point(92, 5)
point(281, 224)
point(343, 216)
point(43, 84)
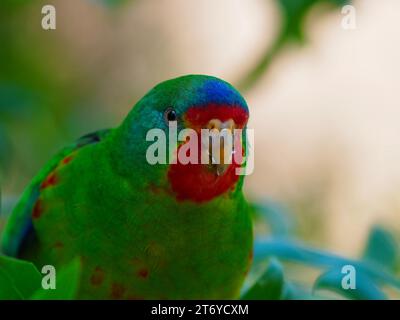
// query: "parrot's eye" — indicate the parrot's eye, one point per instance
point(170, 115)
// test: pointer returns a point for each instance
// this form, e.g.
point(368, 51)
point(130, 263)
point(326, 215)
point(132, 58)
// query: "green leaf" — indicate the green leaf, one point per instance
point(67, 284)
point(381, 248)
point(294, 13)
point(8, 291)
point(269, 286)
point(365, 289)
point(22, 276)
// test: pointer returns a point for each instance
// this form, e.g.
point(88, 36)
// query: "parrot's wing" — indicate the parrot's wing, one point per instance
point(19, 229)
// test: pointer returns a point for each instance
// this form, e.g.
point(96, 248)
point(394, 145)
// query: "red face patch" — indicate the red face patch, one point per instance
point(199, 116)
point(196, 182)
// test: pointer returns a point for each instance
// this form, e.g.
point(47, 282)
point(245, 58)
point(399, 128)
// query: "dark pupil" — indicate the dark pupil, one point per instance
point(171, 115)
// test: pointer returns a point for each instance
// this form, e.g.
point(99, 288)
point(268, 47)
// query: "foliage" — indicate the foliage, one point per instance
point(293, 15)
point(67, 284)
point(20, 280)
point(375, 270)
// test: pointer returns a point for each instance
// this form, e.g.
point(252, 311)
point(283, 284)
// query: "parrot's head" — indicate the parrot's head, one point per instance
point(192, 102)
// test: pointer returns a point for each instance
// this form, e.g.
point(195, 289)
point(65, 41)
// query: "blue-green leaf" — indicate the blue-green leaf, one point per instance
point(381, 248)
point(295, 291)
point(294, 251)
point(276, 216)
point(365, 289)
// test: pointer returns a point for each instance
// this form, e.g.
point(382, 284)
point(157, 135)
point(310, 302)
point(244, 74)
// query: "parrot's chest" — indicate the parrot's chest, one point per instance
point(147, 246)
point(181, 253)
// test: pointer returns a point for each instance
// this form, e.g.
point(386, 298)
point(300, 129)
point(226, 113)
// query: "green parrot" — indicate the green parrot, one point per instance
point(141, 230)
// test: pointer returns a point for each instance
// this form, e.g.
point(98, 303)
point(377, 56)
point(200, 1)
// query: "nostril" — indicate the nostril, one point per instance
point(214, 124)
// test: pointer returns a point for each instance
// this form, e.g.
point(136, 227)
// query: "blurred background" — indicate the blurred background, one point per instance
point(324, 100)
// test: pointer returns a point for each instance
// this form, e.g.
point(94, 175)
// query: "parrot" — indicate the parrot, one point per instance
point(143, 231)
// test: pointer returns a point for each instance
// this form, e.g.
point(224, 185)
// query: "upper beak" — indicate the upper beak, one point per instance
point(219, 125)
point(220, 167)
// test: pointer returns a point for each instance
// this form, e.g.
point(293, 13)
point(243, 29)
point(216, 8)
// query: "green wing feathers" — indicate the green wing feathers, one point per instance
point(19, 228)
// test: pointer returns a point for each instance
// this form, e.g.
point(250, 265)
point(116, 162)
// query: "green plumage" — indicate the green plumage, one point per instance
point(99, 199)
